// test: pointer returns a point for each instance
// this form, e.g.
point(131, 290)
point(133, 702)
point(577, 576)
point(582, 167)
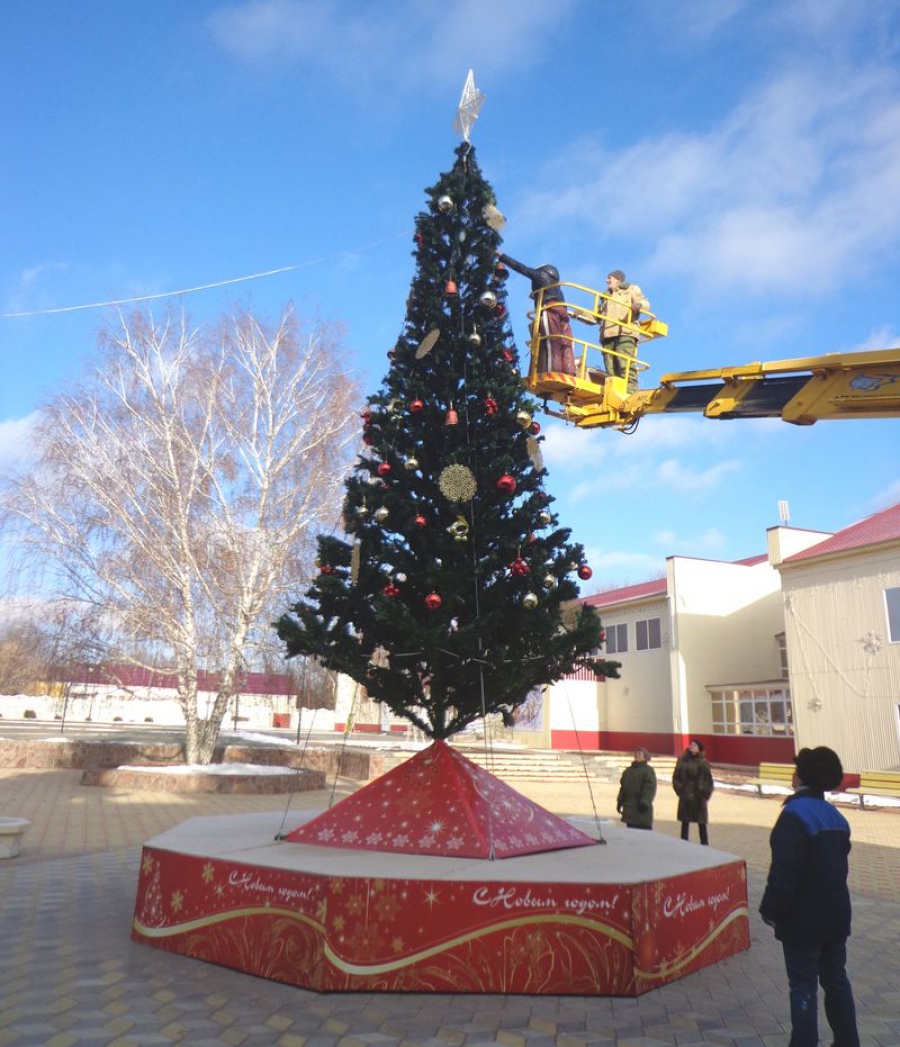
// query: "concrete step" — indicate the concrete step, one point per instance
point(548, 765)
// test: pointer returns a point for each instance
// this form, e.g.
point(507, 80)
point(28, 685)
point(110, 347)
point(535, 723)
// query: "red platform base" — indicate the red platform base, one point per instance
point(615, 920)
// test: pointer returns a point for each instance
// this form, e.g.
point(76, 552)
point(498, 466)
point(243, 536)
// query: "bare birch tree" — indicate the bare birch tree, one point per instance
point(177, 490)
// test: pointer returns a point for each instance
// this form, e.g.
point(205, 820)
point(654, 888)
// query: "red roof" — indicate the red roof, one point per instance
point(873, 530)
point(752, 561)
point(138, 676)
point(656, 587)
point(439, 803)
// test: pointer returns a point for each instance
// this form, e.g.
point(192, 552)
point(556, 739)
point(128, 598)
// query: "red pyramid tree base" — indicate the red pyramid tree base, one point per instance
point(387, 892)
point(440, 804)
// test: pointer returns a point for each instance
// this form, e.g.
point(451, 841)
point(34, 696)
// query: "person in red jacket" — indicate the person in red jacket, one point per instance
point(807, 900)
point(556, 352)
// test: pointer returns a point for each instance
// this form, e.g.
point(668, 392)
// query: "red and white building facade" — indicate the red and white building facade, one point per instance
point(756, 658)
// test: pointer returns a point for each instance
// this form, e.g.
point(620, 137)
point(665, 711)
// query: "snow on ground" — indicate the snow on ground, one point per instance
point(244, 769)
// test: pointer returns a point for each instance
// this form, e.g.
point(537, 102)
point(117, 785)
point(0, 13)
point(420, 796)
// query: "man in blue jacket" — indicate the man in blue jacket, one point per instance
point(807, 900)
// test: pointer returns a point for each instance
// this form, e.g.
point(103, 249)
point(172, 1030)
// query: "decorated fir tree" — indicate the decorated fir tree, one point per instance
point(450, 597)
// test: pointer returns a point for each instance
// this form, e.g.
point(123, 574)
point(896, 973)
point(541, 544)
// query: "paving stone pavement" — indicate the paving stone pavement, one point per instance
point(70, 974)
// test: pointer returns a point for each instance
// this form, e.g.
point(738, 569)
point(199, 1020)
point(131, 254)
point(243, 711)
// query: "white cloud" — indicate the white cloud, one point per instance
point(798, 185)
point(401, 41)
point(686, 479)
point(567, 447)
point(700, 18)
point(889, 496)
point(28, 286)
point(880, 338)
point(15, 439)
point(615, 568)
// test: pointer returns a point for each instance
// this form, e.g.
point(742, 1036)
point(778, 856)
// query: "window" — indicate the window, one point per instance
point(617, 639)
point(781, 640)
point(752, 711)
point(649, 636)
point(892, 607)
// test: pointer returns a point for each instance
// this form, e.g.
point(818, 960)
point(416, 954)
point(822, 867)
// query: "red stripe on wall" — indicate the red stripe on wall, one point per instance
point(741, 750)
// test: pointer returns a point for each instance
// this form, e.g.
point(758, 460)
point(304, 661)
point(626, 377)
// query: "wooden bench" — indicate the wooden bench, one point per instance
point(877, 783)
point(773, 774)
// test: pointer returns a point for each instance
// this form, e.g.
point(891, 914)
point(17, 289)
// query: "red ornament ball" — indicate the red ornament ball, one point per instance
point(391, 591)
point(490, 406)
point(500, 310)
point(584, 572)
point(384, 469)
point(367, 440)
point(420, 521)
point(506, 484)
point(534, 428)
point(508, 356)
point(433, 601)
point(416, 406)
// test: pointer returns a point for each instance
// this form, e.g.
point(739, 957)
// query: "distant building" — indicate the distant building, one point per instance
point(129, 694)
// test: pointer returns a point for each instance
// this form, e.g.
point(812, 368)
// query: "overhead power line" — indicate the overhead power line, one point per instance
point(203, 287)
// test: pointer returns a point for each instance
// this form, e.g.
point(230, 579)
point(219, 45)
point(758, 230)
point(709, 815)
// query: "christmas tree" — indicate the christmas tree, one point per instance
point(451, 596)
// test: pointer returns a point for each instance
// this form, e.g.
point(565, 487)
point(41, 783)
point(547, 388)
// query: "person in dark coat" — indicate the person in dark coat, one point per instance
point(692, 781)
point(807, 901)
point(556, 351)
point(637, 790)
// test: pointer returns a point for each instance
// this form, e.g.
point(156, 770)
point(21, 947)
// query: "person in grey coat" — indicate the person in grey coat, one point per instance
point(692, 781)
point(637, 790)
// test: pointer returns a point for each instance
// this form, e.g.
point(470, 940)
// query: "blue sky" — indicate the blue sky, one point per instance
point(740, 160)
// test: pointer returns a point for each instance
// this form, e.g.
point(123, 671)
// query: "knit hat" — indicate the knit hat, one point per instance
point(641, 749)
point(619, 275)
point(819, 769)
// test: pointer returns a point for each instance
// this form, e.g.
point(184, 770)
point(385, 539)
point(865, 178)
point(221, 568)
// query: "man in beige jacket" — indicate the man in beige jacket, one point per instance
point(624, 304)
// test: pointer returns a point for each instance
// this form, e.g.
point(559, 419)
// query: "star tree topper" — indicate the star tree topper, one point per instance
point(469, 107)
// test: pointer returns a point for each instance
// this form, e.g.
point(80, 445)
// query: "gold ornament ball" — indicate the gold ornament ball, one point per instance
point(549, 581)
point(411, 464)
point(381, 514)
point(529, 601)
point(475, 339)
point(524, 419)
point(488, 300)
point(445, 204)
point(544, 518)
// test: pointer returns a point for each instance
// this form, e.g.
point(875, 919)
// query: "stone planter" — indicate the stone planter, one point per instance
point(11, 831)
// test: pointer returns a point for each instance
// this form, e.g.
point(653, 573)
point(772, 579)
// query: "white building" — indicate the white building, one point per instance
point(701, 657)
point(842, 627)
point(756, 658)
